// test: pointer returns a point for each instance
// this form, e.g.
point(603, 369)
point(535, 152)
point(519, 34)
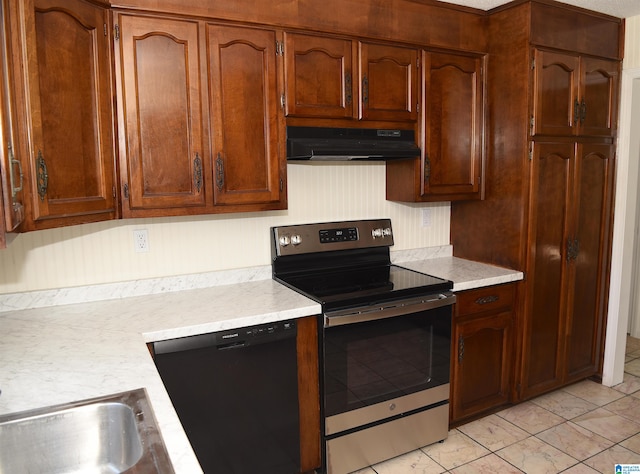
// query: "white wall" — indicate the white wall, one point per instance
point(103, 253)
point(624, 246)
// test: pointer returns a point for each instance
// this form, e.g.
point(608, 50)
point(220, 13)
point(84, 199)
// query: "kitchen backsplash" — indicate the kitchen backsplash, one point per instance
point(103, 253)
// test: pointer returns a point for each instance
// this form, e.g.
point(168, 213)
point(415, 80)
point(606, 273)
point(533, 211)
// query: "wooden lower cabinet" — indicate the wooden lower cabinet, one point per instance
point(309, 393)
point(481, 350)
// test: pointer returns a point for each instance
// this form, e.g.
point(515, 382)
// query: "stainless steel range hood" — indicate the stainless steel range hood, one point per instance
point(347, 144)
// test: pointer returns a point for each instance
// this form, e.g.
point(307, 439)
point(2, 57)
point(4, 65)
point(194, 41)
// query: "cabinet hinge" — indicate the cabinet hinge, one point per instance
point(282, 101)
point(530, 151)
point(418, 63)
point(418, 107)
point(104, 27)
point(532, 122)
point(125, 191)
point(116, 32)
point(533, 63)
point(279, 48)
point(281, 185)
point(113, 191)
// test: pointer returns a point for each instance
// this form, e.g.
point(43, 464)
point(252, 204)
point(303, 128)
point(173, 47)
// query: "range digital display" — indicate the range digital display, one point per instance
point(338, 235)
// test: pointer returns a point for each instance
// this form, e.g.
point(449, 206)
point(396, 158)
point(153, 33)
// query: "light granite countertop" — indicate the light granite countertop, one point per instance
point(58, 354)
point(465, 274)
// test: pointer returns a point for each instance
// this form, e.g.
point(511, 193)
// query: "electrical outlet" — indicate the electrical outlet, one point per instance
point(140, 240)
point(426, 217)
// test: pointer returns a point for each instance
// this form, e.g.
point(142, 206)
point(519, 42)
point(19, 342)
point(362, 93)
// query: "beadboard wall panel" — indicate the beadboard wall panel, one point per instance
point(104, 252)
point(632, 43)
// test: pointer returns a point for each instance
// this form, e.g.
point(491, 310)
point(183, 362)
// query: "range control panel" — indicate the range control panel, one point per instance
point(328, 236)
point(338, 235)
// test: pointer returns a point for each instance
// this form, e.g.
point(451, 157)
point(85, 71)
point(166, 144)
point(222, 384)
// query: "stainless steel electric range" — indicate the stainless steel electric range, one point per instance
point(386, 339)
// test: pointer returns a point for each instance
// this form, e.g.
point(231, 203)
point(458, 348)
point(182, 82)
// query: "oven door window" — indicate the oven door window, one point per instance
point(374, 361)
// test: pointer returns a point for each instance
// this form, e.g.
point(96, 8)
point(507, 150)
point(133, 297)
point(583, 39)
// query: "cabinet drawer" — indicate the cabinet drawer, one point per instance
point(489, 298)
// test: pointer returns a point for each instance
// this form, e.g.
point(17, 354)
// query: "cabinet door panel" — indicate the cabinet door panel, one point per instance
point(482, 348)
point(162, 107)
point(11, 176)
point(453, 124)
point(388, 82)
point(599, 103)
point(594, 171)
point(319, 76)
point(543, 344)
point(244, 110)
point(72, 159)
point(555, 92)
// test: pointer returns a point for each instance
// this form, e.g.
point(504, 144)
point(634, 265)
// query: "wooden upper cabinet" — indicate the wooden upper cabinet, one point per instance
point(388, 82)
point(163, 161)
point(556, 77)
point(453, 116)
point(574, 95)
point(68, 111)
point(11, 174)
point(599, 88)
point(453, 119)
point(319, 76)
point(247, 117)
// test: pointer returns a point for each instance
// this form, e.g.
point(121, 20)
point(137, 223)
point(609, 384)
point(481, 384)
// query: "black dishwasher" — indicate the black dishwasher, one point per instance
point(236, 394)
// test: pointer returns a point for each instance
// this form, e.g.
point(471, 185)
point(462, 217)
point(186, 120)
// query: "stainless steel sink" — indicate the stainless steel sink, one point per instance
point(112, 434)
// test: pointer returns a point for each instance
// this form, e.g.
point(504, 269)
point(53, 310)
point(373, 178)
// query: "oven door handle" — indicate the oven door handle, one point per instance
point(388, 309)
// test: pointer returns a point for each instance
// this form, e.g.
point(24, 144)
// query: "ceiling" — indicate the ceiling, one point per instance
point(619, 8)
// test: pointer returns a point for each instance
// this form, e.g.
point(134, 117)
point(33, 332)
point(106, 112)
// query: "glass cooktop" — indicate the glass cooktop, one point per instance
point(365, 285)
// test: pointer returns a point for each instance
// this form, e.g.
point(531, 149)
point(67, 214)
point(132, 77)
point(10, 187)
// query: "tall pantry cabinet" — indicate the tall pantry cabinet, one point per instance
point(553, 90)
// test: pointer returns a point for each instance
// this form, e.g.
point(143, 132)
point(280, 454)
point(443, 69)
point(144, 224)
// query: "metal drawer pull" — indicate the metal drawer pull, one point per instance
point(487, 299)
point(219, 172)
point(197, 172)
point(13, 162)
point(42, 176)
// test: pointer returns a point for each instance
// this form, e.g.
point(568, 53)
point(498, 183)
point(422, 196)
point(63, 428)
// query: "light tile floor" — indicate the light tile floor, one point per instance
point(580, 429)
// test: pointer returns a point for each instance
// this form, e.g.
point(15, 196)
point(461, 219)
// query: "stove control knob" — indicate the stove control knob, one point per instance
point(386, 232)
point(296, 239)
point(376, 233)
point(284, 240)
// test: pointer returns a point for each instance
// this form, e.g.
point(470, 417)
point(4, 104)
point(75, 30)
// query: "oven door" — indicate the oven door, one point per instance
point(386, 363)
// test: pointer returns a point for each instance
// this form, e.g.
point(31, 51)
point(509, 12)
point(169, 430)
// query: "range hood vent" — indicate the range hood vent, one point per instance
point(347, 144)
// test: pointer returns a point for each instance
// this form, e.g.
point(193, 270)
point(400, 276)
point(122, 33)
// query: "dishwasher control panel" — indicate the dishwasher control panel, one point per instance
point(230, 338)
